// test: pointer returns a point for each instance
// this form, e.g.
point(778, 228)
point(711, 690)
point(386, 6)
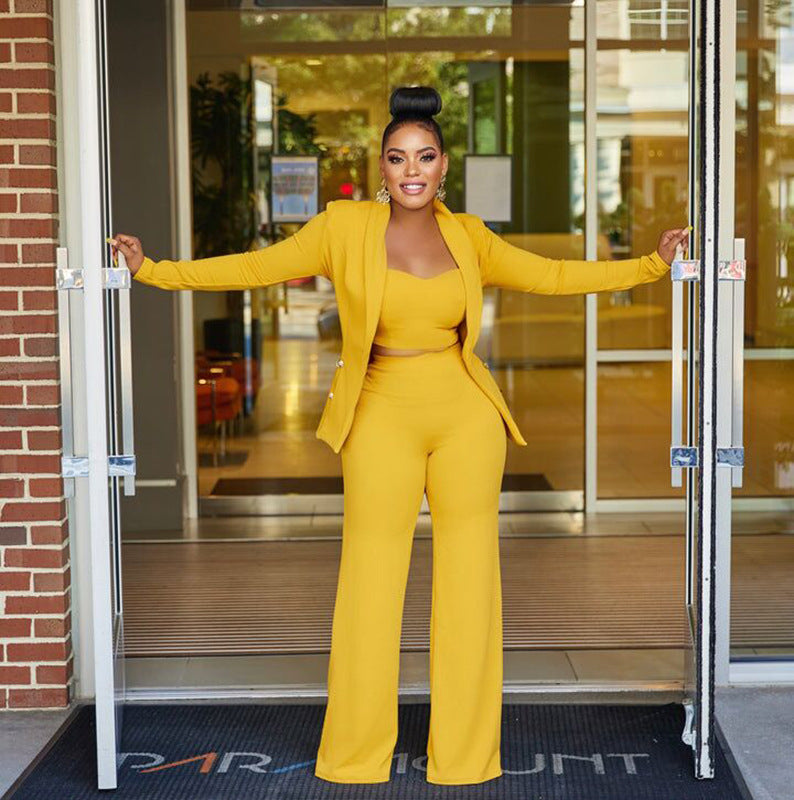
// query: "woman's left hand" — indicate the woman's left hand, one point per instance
point(669, 240)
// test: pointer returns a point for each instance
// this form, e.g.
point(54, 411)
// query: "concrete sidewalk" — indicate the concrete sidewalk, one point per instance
point(758, 723)
point(22, 736)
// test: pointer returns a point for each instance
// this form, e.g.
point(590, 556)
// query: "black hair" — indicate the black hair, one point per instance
point(414, 104)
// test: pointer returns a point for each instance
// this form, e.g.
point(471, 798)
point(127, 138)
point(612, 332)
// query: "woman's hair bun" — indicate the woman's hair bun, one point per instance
point(414, 101)
point(413, 104)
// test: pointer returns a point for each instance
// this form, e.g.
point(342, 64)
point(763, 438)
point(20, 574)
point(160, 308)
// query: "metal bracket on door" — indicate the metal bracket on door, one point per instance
point(66, 281)
point(122, 466)
point(688, 269)
point(116, 278)
point(684, 457)
point(74, 466)
point(730, 456)
point(681, 270)
point(77, 466)
point(112, 278)
point(66, 278)
point(121, 279)
point(734, 270)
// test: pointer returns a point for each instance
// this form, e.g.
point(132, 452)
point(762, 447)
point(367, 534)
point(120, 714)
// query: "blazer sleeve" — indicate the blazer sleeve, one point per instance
point(511, 267)
point(300, 255)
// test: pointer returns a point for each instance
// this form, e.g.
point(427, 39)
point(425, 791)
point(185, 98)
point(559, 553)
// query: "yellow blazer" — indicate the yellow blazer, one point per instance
point(346, 243)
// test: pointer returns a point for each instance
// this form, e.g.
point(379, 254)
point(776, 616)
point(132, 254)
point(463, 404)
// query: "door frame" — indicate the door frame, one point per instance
point(183, 225)
point(97, 632)
point(586, 499)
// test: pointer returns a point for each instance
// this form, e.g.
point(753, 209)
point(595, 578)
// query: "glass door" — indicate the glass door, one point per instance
point(706, 453)
point(96, 348)
point(321, 91)
point(762, 550)
point(644, 168)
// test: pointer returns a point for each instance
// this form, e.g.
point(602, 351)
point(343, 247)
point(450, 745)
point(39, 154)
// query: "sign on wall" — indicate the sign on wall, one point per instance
point(295, 188)
point(488, 186)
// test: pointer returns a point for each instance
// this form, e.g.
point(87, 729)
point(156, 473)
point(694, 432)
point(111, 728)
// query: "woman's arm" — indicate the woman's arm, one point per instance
point(300, 255)
point(512, 267)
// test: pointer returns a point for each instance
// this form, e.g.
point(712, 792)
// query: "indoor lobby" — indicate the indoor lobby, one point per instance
point(592, 534)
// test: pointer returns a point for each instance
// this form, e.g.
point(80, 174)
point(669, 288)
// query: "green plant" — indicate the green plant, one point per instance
point(224, 219)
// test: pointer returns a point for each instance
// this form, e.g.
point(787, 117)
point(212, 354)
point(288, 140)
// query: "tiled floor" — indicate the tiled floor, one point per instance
point(534, 523)
point(23, 734)
point(547, 403)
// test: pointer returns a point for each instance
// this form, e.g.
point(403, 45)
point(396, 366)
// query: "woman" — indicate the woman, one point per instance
point(411, 410)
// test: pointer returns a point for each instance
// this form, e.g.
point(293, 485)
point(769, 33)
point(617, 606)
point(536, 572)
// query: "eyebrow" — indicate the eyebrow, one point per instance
point(429, 147)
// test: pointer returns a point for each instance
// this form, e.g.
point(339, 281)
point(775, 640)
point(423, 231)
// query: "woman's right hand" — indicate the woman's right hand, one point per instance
point(131, 247)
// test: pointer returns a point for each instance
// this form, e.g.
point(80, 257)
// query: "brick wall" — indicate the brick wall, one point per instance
point(35, 625)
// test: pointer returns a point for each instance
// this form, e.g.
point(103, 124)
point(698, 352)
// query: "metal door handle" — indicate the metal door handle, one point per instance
point(680, 456)
point(737, 420)
point(66, 280)
point(122, 282)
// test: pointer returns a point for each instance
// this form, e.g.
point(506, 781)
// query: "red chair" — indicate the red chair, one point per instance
point(218, 400)
point(234, 366)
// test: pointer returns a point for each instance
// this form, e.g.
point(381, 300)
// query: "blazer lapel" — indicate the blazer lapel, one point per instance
point(462, 249)
point(459, 244)
point(374, 266)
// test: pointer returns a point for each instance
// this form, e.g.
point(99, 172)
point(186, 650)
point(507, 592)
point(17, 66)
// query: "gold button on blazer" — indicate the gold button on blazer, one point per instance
point(346, 243)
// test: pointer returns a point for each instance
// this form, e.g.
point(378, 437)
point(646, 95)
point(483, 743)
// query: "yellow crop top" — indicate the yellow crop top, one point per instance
point(421, 312)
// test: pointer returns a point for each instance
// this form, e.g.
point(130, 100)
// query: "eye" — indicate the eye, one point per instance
point(430, 156)
point(392, 159)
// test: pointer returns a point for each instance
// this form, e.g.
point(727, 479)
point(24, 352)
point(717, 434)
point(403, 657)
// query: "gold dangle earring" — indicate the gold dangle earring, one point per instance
point(383, 195)
point(441, 192)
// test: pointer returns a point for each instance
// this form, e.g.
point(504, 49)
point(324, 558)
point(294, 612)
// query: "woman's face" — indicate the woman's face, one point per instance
point(412, 165)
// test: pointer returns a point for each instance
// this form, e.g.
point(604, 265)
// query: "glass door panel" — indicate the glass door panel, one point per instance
point(643, 188)
point(98, 462)
point(318, 80)
point(762, 556)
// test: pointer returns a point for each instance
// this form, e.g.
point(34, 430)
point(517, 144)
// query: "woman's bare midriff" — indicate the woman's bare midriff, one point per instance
point(389, 351)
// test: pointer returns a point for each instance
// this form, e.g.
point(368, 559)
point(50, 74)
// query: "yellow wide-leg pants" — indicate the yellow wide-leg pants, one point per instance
point(422, 425)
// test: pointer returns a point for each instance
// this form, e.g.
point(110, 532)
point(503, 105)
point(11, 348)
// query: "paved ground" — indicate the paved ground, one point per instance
point(22, 735)
point(758, 723)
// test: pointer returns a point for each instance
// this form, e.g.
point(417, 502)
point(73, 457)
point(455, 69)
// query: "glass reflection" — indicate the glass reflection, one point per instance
point(316, 82)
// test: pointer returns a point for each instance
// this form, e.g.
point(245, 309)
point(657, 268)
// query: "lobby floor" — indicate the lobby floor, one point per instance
point(278, 439)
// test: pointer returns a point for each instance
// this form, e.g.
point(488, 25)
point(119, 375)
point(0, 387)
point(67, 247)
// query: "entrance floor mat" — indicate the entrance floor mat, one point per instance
point(268, 751)
point(333, 484)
